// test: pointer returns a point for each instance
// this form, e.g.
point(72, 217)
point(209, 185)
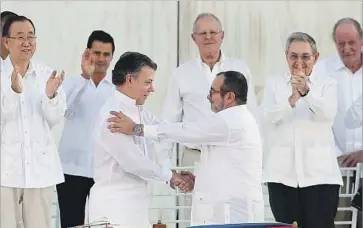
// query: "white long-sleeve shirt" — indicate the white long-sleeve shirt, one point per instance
point(300, 148)
point(84, 101)
point(228, 178)
point(349, 92)
point(186, 98)
point(121, 169)
point(29, 155)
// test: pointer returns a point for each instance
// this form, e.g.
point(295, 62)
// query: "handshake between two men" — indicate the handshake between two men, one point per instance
point(184, 181)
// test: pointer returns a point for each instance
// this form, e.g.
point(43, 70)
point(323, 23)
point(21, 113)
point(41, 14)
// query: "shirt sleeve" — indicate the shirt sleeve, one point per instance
point(274, 107)
point(353, 119)
point(163, 157)
point(212, 131)
point(74, 88)
point(53, 109)
point(251, 97)
point(323, 103)
point(9, 98)
point(130, 156)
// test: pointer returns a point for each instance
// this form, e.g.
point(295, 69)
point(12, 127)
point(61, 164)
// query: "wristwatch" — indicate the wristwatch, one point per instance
point(306, 93)
point(138, 129)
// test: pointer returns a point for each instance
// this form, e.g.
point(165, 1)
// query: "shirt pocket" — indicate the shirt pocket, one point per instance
point(318, 161)
point(11, 159)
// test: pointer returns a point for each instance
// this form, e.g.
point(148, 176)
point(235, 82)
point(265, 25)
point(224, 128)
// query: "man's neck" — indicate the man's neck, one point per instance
point(355, 66)
point(211, 58)
point(124, 90)
point(97, 78)
point(21, 65)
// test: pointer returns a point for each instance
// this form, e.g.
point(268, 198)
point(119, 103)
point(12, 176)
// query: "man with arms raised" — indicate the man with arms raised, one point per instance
point(32, 101)
point(121, 165)
point(228, 179)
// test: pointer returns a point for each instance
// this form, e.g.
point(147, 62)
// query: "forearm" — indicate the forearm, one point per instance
point(54, 108)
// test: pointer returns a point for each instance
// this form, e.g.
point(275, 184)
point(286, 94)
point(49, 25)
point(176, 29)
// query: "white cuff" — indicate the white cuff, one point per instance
point(167, 175)
point(151, 132)
point(53, 101)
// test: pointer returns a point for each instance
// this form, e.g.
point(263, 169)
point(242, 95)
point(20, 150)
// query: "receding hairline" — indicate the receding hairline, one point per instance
point(347, 21)
point(204, 16)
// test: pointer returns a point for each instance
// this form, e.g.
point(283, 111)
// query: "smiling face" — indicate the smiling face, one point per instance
point(143, 84)
point(348, 44)
point(300, 57)
point(102, 54)
point(208, 35)
point(21, 41)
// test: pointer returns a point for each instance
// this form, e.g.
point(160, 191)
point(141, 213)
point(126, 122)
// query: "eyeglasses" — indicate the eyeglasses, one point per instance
point(295, 57)
point(210, 33)
point(213, 91)
point(23, 39)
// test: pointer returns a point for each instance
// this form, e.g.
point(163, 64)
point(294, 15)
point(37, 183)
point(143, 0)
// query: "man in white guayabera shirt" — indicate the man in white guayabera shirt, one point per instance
point(86, 94)
point(121, 164)
point(300, 165)
point(185, 101)
point(346, 69)
point(32, 101)
point(228, 179)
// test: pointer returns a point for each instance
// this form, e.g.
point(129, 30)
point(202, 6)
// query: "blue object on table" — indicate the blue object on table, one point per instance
point(244, 225)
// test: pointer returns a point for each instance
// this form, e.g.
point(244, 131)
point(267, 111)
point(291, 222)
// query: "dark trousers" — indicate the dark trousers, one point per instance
point(72, 196)
point(311, 207)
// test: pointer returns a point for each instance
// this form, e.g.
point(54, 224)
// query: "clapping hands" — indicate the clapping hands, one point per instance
point(184, 181)
point(53, 84)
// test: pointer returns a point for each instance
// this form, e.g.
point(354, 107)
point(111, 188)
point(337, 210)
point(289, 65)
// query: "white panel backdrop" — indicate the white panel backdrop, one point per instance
point(255, 31)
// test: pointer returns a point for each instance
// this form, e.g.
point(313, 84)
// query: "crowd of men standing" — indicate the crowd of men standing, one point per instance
point(309, 124)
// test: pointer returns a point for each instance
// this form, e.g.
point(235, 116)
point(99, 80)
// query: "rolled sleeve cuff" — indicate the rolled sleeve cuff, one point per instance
point(310, 98)
point(166, 175)
point(151, 132)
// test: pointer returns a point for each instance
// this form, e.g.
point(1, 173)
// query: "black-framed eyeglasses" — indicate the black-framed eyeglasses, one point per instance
point(213, 91)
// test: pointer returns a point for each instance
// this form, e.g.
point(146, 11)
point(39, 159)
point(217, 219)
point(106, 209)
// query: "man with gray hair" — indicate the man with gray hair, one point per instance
point(300, 168)
point(346, 69)
point(186, 96)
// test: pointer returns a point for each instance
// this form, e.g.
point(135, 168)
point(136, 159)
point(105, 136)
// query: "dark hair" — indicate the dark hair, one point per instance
point(347, 20)
point(11, 20)
point(99, 35)
point(130, 63)
point(236, 83)
point(6, 14)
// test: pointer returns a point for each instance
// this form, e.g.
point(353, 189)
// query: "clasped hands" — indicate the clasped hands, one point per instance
point(120, 123)
point(184, 181)
point(52, 84)
point(299, 86)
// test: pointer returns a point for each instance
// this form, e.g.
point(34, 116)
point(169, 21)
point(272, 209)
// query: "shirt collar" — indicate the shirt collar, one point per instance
point(9, 66)
point(125, 99)
point(221, 60)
